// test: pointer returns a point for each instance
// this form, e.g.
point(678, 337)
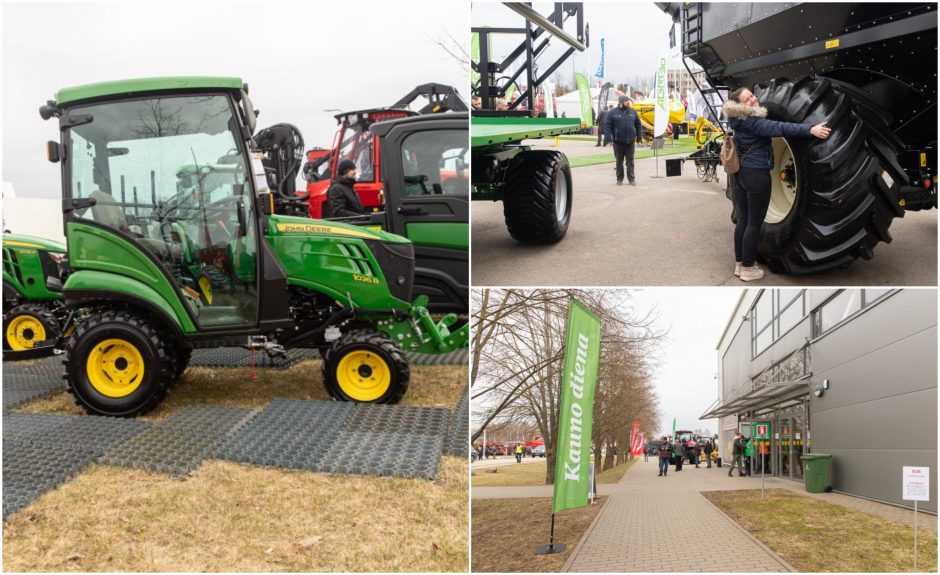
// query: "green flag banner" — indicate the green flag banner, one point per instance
point(573, 449)
point(584, 91)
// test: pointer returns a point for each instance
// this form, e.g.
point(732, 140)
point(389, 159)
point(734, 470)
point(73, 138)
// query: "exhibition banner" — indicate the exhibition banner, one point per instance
point(573, 448)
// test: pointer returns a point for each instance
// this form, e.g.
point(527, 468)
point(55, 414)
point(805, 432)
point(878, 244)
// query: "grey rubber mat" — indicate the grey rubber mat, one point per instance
point(50, 367)
point(334, 437)
point(237, 357)
point(22, 388)
point(91, 432)
point(29, 472)
point(181, 442)
point(457, 441)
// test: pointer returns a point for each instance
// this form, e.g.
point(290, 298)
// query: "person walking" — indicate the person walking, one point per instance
point(646, 453)
point(344, 202)
point(679, 453)
point(737, 452)
point(601, 119)
point(519, 453)
point(708, 453)
point(665, 453)
point(622, 127)
point(752, 139)
point(696, 450)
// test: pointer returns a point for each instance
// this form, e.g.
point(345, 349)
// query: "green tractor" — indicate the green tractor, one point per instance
point(276, 281)
point(33, 316)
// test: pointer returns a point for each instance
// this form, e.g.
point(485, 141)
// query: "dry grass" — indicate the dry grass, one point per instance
point(431, 386)
point(230, 517)
point(507, 531)
point(815, 536)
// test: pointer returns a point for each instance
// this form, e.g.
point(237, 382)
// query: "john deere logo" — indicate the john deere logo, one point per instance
point(321, 229)
point(365, 279)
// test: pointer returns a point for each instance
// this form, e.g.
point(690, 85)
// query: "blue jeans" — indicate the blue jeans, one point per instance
point(663, 465)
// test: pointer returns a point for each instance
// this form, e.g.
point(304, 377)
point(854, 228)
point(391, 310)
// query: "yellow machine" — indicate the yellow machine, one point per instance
point(704, 131)
point(644, 108)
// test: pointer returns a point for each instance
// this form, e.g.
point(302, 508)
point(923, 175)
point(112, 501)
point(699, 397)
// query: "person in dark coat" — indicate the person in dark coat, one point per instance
point(708, 453)
point(752, 137)
point(737, 454)
point(622, 127)
point(679, 448)
point(665, 453)
point(601, 130)
point(344, 202)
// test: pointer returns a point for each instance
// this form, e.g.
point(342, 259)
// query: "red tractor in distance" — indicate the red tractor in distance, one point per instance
point(354, 141)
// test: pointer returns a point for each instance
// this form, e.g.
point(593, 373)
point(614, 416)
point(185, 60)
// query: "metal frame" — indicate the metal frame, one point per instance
point(552, 25)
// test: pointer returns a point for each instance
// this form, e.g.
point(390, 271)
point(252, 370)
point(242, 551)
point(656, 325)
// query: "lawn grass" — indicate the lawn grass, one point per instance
point(431, 386)
point(507, 531)
point(815, 536)
point(684, 147)
point(231, 517)
point(533, 474)
point(505, 475)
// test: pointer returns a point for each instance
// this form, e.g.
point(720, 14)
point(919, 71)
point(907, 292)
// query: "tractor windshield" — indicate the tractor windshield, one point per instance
point(357, 146)
point(435, 162)
point(169, 173)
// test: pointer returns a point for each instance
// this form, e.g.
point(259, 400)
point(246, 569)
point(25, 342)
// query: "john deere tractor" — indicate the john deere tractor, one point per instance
point(33, 314)
point(286, 281)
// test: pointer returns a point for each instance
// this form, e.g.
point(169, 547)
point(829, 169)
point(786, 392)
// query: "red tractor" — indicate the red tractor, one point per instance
point(353, 141)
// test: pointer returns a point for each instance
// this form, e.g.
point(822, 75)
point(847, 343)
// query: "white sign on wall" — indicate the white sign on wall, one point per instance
point(916, 482)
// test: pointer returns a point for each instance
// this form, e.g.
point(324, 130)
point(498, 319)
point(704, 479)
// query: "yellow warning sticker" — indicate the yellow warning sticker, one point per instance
point(834, 43)
point(923, 160)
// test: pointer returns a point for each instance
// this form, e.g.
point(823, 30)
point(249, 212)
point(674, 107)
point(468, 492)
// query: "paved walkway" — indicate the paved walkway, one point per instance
point(644, 508)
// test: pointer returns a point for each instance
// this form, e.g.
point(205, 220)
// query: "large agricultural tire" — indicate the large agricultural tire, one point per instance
point(847, 186)
point(119, 364)
point(366, 367)
point(538, 197)
point(28, 324)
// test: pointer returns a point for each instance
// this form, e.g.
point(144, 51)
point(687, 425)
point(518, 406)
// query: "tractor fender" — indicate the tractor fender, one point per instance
point(10, 293)
point(85, 287)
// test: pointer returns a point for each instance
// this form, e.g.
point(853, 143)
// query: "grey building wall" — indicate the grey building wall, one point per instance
point(880, 412)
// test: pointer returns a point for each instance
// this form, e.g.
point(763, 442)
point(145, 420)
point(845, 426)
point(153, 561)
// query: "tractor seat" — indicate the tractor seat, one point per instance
point(108, 212)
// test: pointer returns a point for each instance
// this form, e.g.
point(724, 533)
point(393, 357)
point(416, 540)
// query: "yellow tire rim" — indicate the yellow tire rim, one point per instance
point(363, 375)
point(115, 368)
point(24, 331)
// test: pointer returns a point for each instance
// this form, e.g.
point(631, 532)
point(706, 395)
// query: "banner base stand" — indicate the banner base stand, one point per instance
point(550, 548)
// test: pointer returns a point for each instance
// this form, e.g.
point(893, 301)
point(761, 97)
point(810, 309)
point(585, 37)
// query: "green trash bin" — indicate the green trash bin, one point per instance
point(816, 472)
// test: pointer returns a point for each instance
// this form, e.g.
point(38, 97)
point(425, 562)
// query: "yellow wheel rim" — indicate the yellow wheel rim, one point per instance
point(363, 375)
point(115, 368)
point(24, 331)
point(206, 286)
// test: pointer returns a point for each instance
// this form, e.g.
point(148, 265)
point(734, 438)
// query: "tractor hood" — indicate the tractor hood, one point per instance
point(19, 241)
point(284, 225)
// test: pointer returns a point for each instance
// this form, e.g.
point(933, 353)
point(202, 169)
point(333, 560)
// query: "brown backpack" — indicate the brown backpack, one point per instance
point(729, 155)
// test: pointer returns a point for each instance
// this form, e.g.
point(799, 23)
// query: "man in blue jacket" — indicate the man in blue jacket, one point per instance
point(622, 127)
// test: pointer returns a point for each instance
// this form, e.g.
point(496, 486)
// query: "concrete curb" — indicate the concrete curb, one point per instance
point(760, 544)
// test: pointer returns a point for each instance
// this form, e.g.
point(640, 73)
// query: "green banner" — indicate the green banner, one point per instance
point(585, 92)
point(573, 449)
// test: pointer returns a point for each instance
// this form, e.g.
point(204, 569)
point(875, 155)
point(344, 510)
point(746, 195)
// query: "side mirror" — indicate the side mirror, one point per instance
point(53, 152)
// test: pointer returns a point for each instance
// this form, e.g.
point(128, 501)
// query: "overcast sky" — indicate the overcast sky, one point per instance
point(687, 363)
point(634, 33)
point(298, 60)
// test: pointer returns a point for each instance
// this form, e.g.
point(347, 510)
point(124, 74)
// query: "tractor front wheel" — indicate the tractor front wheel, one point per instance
point(538, 197)
point(119, 364)
point(366, 367)
point(29, 324)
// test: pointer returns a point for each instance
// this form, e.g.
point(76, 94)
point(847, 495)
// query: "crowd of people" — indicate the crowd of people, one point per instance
point(674, 451)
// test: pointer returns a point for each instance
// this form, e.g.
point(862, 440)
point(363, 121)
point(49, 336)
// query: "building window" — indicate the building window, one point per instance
point(842, 306)
point(774, 314)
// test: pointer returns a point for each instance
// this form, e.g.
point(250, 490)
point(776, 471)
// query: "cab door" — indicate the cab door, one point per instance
point(426, 179)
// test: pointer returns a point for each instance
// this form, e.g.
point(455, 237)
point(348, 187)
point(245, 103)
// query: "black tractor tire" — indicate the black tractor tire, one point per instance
point(376, 347)
point(183, 355)
point(529, 203)
point(38, 312)
point(160, 366)
point(848, 185)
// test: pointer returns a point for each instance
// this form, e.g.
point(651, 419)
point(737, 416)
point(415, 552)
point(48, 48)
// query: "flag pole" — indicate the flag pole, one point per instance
point(551, 547)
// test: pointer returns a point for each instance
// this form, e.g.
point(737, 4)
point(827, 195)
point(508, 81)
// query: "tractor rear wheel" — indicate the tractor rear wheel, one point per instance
point(119, 364)
point(28, 324)
point(832, 200)
point(538, 197)
point(366, 367)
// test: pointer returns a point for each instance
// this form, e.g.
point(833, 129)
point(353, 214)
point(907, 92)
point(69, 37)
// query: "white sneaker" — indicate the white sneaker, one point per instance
point(737, 269)
point(749, 274)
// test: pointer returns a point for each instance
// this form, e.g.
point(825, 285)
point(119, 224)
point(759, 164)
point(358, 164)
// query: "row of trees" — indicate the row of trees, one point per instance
point(518, 350)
